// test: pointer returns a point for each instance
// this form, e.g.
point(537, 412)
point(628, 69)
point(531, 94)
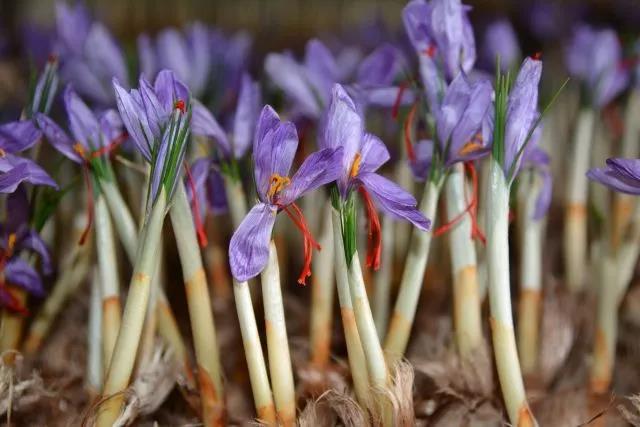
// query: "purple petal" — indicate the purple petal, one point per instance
point(500, 40)
point(373, 153)
point(155, 113)
point(289, 76)
point(18, 272)
point(627, 168)
point(104, 57)
point(32, 240)
point(170, 89)
point(249, 246)
point(85, 81)
point(111, 125)
point(173, 53)
point(72, 26)
point(415, 16)
point(204, 124)
point(18, 136)
point(83, 123)
point(321, 69)
point(18, 205)
point(380, 67)
point(216, 193)
point(614, 180)
point(200, 57)
point(147, 55)
point(318, 169)
point(420, 166)
point(394, 200)
point(273, 150)
point(544, 198)
point(388, 96)
point(246, 115)
point(17, 170)
point(57, 137)
point(135, 120)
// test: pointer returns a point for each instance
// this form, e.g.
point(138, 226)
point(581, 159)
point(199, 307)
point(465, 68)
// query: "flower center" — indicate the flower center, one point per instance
point(355, 166)
point(78, 148)
point(179, 105)
point(277, 183)
point(474, 144)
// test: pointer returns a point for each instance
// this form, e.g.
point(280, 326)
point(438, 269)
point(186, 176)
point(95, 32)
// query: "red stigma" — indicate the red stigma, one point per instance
point(471, 209)
point(374, 236)
point(408, 125)
point(195, 207)
point(52, 58)
point(309, 243)
point(180, 105)
point(396, 103)
point(430, 51)
point(537, 56)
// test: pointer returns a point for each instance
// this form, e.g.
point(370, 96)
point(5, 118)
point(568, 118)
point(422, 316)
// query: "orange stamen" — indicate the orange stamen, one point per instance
point(309, 243)
point(374, 236)
point(277, 184)
point(202, 235)
point(474, 144)
point(355, 166)
point(11, 244)
point(408, 126)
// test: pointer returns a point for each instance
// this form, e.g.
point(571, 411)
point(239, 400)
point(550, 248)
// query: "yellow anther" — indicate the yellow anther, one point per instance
point(78, 148)
point(277, 184)
point(2, 153)
point(474, 144)
point(11, 242)
point(355, 166)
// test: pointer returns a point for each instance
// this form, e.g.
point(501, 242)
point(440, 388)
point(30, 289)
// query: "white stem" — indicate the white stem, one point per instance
point(94, 335)
point(383, 278)
point(483, 275)
point(466, 298)
point(322, 292)
point(236, 199)
point(504, 343)
point(355, 353)
point(124, 222)
point(277, 342)
point(253, 352)
point(404, 312)
point(109, 281)
point(575, 232)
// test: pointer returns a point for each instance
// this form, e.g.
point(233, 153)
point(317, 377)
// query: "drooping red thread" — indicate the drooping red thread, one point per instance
point(12, 304)
point(408, 124)
point(195, 207)
point(309, 242)
point(471, 209)
point(396, 104)
point(111, 147)
point(374, 235)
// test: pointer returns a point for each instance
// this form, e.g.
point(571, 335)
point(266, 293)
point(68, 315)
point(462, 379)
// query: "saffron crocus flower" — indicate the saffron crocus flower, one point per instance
point(187, 54)
point(440, 31)
point(158, 120)
point(622, 175)
point(274, 148)
point(308, 84)
point(16, 137)
point(500, 41)
point(463, 128)
point(45, 89)
point(364, 154)
point(91, 136)
point(594, 57)
point(15, 238)
point(89, 55)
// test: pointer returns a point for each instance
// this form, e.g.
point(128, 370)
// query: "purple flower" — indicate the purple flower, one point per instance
point(308, 84)
point(208, 184)
point(500, 40)
point(595, 58)
point(16, 137)
point(274, 148)
point(45, 89)
point(187, 54)
point(462, 126)
point(442, 35)
point(622, 175)
point(521, 115)
point(90, 57)
point(236, 142)
point(158, 120)
point(536, 159)
point(16, 237)
point(364, 154)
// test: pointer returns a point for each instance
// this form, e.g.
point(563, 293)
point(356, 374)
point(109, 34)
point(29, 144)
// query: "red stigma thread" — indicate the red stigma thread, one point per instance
point(408, 126)
point(12, 302)
point(430, 51)
point(111, 147)
point(309, 243)
point(471, 209)
point(179, 105)
point(396, 103)
point(374, 236)
point(52, 58)
point(195, 207)
point(537, 56)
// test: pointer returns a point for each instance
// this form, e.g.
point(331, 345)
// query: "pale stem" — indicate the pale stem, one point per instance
point(404, 311)
point(277, 343)
point(504, 342)
point(529, 306)
point(355, 353)
point(94, 335)
point(575, 231)
point(466, 298)
point(383, 278)
point(483, 275)
point(109, 281)
point(258, 377)
point(199, 304)
point(125, 350)
point(322, 293)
